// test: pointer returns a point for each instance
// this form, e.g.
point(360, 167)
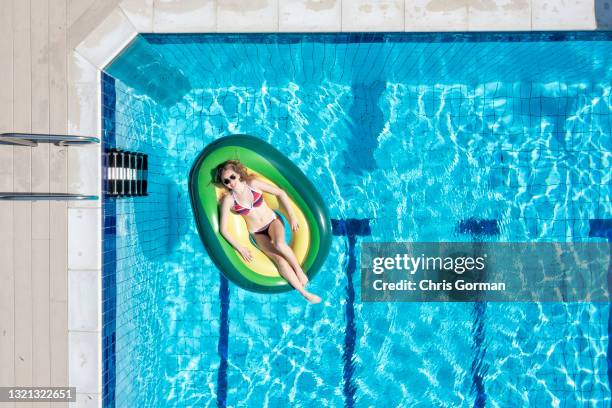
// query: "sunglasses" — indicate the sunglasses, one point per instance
point(227, 180)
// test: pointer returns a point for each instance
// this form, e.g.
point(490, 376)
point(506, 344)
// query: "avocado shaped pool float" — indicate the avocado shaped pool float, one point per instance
point(310, 242)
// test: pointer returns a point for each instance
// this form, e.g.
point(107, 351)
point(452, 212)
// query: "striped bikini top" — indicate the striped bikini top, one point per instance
point(239, 209)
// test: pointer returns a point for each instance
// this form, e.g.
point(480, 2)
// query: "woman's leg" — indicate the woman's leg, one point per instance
point(264, 243)
point(286, 271)
point(276, 231)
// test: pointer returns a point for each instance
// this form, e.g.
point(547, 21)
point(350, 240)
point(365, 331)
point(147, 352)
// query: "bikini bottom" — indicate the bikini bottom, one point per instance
point(265, 229)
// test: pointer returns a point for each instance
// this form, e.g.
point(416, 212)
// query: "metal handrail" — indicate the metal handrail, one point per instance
point(32, 139)
point(45, 196)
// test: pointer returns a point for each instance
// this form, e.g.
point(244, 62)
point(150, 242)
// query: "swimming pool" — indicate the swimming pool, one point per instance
point(408, 137)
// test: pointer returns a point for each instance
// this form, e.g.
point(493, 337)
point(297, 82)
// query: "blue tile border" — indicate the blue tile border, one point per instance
point(109, 255)
point(292, 38)
point(109, 99)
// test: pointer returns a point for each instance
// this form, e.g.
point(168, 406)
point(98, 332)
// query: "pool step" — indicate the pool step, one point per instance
point(125, 173)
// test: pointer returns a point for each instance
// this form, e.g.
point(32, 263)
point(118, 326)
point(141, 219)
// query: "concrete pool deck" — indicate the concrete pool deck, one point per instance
point(50, 291)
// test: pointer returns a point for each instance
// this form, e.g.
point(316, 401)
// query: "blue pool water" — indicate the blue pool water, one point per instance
point(500, 137)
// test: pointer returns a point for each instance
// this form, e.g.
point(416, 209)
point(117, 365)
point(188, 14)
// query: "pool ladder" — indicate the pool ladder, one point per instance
point(32, 140)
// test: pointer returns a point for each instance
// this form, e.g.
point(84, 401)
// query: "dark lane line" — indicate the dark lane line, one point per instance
point(350, 228)
point(477, 229)
point(222, 347)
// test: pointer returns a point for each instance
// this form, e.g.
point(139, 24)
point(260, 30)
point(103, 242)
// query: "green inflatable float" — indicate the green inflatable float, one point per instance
point(310, 243)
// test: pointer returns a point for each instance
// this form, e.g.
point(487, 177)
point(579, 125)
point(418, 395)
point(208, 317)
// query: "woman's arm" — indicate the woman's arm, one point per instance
point(282, 197)
point(226, 204)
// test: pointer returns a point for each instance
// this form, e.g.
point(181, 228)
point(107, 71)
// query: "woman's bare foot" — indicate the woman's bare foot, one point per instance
point(311, 297)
